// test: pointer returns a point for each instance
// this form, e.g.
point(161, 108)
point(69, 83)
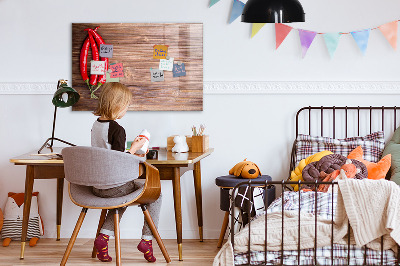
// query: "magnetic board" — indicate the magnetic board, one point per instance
point(133, 46)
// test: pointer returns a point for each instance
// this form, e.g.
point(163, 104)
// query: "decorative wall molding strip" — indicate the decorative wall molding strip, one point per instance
point(302, 87)
point(251, 87)
point(28, 88)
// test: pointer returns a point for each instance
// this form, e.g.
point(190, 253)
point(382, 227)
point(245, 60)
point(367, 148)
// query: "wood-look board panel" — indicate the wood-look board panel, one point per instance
point(133, 46)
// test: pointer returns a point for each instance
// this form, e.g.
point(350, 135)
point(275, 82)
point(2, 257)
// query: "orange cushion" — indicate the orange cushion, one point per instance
point(375, 170)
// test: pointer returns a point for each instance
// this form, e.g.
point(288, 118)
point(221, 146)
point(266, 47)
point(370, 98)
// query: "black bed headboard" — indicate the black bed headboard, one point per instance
point(347, 112)
point(344, 121)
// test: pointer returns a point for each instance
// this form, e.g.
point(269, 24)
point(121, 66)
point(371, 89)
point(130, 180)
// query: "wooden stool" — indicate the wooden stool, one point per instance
point(226, 183)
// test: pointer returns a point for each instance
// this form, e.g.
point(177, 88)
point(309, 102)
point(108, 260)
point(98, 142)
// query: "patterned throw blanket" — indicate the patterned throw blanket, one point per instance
point(371, 216)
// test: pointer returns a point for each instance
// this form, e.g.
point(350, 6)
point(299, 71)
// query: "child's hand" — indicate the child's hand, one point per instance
point(143, 155)
point(137, 144)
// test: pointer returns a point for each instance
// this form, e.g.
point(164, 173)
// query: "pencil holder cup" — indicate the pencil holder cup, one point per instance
point(200, 143)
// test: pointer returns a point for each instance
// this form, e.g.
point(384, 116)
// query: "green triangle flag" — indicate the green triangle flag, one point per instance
point(213, 2)
point(332, 41)
point(256, 28)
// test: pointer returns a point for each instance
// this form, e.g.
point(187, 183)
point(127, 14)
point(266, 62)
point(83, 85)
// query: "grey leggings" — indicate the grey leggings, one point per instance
point(154, 208)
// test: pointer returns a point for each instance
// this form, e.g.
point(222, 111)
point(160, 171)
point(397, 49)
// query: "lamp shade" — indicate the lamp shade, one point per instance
point(273, 11)
point(65, 96)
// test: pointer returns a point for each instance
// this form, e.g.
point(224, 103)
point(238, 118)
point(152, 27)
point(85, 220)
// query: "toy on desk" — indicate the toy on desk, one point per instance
point(13, 215)
point(144, 134)
point(245, 169)
point(180, 144)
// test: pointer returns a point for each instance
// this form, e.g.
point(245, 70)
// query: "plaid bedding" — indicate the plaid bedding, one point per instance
point(372, 145)
point(322, 207)
point(324, 257)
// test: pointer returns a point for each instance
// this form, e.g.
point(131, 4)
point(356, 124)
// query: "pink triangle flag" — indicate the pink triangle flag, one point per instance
point(281, 31)
point(389, 30)
point(306, 39)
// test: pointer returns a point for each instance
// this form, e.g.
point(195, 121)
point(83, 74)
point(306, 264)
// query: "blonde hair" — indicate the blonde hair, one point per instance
point(113, 98)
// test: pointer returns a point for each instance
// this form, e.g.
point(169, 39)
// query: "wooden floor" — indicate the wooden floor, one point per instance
point(50, 252)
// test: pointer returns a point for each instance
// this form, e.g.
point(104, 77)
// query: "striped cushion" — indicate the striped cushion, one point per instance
point(372, 145)
point(13, 228)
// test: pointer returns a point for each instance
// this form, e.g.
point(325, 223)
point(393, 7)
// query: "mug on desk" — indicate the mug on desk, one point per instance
point(152, 155)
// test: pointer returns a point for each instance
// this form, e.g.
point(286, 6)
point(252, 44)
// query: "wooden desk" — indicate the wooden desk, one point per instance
point(168, 164)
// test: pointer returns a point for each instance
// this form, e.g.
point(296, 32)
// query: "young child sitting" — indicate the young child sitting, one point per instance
point(107, 133)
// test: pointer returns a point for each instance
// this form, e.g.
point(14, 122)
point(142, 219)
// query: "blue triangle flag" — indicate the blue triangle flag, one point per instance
point(213, 2)
point(237, 9)
point(332, 41)
point(361, 37)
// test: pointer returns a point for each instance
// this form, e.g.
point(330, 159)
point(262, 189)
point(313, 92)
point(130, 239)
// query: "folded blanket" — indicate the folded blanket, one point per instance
point(373, 209)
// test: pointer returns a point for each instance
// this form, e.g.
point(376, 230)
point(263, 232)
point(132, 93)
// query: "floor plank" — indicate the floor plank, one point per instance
point(49, 252)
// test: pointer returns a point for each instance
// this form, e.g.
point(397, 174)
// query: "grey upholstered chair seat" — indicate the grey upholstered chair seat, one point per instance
point(83, 196)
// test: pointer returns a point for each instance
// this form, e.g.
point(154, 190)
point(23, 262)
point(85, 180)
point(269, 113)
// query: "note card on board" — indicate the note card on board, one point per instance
point(110, 79)
point(106, 50)
point(156, 75)
point(160, 51)
point(179, 70)
point(97, 67)
point(166, 64)
point(117, 70)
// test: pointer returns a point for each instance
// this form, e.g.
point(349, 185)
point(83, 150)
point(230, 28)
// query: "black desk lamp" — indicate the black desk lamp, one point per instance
point(273, 11)
point(64, 97)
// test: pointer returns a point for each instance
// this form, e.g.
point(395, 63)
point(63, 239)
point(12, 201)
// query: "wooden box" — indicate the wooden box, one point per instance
point(171, 143)
point(200, 143)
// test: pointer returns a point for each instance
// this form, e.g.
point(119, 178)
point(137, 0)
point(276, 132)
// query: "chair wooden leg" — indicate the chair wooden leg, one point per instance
point(223, 229)
point(101, 222)
point(73, 237)
point(154, 230)
point(117, 238)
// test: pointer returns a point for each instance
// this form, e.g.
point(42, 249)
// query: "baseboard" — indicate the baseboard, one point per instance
point(246, 87)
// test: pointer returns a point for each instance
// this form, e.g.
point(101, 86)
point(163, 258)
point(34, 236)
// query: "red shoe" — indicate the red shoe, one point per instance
point(146, 247)
point(101, 245)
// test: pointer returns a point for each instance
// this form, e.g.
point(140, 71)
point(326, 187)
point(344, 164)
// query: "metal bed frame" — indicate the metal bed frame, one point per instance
point(283, 184)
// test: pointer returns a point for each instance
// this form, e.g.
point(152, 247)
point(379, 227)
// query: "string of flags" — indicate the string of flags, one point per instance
point(361, 37)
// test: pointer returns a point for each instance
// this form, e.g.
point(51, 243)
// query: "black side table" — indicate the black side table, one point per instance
point(226, 183)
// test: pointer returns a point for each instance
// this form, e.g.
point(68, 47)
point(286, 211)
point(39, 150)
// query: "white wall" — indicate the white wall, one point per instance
point(36, 47)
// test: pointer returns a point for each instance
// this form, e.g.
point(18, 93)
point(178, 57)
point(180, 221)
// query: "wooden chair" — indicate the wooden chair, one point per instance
point(85, 167)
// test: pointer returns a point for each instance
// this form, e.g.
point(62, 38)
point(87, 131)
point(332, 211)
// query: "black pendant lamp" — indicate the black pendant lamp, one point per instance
point(273, 11)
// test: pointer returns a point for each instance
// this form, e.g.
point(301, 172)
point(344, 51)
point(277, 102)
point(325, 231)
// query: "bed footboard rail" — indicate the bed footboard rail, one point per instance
point(312, 259)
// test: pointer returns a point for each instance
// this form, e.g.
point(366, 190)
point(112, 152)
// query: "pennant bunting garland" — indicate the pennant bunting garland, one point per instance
point(256, 28)
point(361, 37)
point(237, 9)
point(332, 41)
point(213, 2)
point(306, 39)
point(281, 31)
point(389, 30)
